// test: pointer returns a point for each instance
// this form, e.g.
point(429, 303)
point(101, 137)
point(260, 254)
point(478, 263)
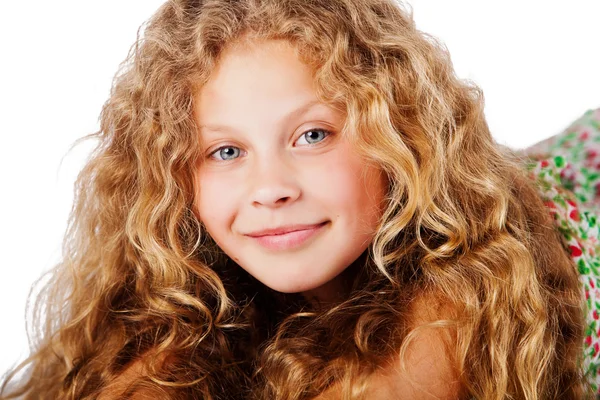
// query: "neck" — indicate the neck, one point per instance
point(337, 289)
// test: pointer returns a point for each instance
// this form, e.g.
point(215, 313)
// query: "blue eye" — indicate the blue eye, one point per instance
point(313, 136)
point(226, 153)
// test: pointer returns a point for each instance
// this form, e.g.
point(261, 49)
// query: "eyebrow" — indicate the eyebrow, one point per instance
point(298, 112)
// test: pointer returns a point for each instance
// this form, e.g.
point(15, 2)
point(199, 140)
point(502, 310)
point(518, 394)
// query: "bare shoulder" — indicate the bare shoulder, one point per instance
point(426, 369)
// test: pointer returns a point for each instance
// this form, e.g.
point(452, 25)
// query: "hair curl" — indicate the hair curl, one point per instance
point(141, 279)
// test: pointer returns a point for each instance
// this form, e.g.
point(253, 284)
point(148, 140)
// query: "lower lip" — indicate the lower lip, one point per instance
point(290, 240)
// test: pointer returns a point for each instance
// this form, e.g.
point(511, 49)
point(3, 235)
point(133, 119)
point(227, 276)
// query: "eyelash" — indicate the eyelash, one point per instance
point(325, 131)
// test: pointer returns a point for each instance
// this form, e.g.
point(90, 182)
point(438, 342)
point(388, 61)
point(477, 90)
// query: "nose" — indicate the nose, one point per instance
point(274, 183)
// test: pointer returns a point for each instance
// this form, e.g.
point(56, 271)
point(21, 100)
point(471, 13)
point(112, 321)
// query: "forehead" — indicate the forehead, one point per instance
point(255, 73)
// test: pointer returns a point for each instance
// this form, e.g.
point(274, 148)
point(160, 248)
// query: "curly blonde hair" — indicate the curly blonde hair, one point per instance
point(141, 279)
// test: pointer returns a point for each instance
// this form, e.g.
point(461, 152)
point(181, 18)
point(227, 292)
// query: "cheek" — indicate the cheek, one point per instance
point(214, 202)
point(350, 187)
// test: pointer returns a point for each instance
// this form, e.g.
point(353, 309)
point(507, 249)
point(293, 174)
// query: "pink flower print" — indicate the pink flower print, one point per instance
point(592, 283)
point(596, 349)
point(584, 136)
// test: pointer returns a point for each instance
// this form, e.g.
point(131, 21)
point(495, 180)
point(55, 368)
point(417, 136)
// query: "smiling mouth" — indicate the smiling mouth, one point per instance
point(287, 238)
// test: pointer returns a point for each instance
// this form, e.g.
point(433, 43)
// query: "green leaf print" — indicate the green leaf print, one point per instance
point(568, 184)
point(560, 200)
point(594, 269)
point(566, 138)
point(559, 161)
point(591, 218)
point(593, 176)
point(593, 369)
point(581, 197)
point(590, 352)
point(582, 267)
point(577, 151)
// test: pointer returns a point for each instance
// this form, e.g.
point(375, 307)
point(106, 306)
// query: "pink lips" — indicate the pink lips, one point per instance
point(286, 238)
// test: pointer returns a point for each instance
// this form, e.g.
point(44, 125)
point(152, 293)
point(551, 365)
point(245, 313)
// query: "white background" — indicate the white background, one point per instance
point(537, 62)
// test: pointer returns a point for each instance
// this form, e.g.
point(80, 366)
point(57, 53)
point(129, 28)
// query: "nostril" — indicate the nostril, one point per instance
point(275, 195)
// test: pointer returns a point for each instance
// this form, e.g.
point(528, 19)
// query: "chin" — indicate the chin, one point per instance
point(319, 285)
point(293, 288)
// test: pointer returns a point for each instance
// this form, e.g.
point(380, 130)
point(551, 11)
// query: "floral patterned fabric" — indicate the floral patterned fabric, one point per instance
point(566, 168)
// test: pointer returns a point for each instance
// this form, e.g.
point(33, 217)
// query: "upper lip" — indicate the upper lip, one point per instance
point(283, 229)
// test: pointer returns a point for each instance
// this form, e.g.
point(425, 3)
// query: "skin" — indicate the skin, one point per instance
point(428, 370)
point(285, 162)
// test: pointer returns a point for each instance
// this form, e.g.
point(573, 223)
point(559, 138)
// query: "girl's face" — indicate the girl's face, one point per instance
point(281, 191)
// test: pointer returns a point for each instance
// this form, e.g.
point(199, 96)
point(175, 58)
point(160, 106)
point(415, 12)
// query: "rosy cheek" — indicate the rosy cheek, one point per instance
point(208, 204)
point(217, 201)
point(343, 179)
point(357, 189)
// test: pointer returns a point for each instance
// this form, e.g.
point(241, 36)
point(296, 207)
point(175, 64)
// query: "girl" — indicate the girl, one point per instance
point(299, 200)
